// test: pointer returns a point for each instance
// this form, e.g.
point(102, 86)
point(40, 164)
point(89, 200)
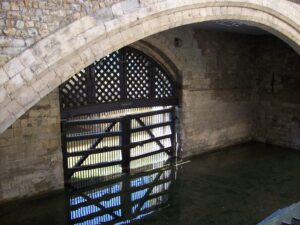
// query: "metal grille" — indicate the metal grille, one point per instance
point(126, 78)
point(122, 200)
point(117, 144)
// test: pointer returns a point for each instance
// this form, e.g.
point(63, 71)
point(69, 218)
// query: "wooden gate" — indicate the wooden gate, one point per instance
point(116, 144)
point(117, 114)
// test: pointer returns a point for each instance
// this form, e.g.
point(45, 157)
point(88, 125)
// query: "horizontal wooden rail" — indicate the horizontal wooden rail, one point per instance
point(94, 151)
point(105, 107)
point(94, 135)
point(91, 122)
point(151, 113)
point(115, 148)
point(167, 150)
point(149, 127)
point(140, 143)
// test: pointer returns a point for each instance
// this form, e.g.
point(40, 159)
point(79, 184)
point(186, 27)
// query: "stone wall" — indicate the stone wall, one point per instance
point(277, 93)
point(234, 88)
point(217, 84)
point(30, 155)
point(24, 22)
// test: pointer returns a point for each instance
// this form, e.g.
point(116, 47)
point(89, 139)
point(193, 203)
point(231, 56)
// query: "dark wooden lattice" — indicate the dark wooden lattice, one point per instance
point(126, 78)
point(74, 92)
point(137, 76)
point(107, 78)
point(164, 87)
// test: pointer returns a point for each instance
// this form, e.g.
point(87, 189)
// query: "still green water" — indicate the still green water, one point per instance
point(240, 185)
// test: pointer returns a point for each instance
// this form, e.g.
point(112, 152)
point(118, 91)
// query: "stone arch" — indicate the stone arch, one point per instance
point(27, 78)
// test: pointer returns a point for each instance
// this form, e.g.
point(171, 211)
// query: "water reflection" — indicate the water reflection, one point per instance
point(238, 186)
point(123, 199)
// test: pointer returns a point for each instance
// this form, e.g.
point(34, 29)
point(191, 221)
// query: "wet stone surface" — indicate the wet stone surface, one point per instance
point(239, 185)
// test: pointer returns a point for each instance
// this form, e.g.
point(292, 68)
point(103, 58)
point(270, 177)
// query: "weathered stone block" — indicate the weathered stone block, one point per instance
point(125, 7)
point(20, 24)
point(14, 84)
point(27, 75)
point(26, 97)
point(14, 42)
point(3, 77)
point(13, 67)
point(3, 97)
point(64, 71)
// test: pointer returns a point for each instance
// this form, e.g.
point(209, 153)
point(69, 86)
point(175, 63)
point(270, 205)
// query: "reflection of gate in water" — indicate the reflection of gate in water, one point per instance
point(123, 199)
point(99, 147)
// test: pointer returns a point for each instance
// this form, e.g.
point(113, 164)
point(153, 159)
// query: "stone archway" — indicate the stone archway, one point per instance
point(38, 70)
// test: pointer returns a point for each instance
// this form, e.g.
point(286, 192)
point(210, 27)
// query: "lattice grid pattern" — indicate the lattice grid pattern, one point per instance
point(137, 76)
point(164, 87)
point(108, 78)
point(74, 91)
point(126, 75)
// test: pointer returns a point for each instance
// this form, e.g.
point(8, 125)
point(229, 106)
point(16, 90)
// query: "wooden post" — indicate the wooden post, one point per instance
point(173, 130)
point(64, 152)
point(125, 142)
